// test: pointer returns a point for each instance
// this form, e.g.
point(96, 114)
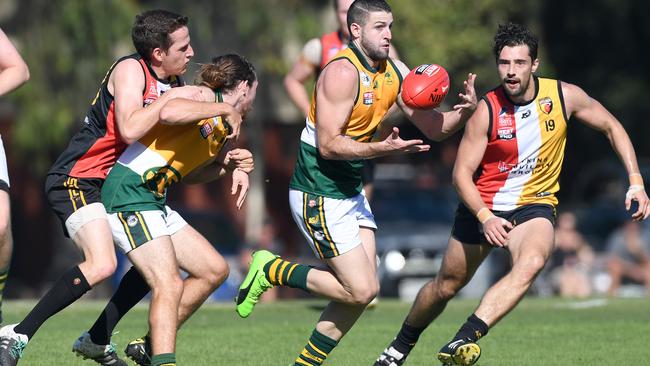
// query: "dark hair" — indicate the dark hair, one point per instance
point(359, 9)
point(512, 34)
point(225, 72)
point(152, 28)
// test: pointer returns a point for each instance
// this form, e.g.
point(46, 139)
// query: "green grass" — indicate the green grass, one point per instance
point(537, 332)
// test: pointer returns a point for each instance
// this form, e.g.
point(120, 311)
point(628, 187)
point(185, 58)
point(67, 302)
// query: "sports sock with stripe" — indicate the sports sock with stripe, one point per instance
point(281, 272)
point(316, 350)
point(164, 359)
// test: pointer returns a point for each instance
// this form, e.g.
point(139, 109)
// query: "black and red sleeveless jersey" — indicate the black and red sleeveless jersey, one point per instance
point(95, 148)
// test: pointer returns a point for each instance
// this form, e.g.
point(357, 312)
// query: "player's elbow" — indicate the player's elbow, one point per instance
point(127, 135)
point(24, 74)
point(326, 152)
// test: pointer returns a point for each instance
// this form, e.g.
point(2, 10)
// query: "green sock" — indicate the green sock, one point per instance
point(3, 278)
point(281, 272)
point(316, 350)
point(164, 359)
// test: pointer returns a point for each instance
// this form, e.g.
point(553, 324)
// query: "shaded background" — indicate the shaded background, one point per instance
point(69, 45)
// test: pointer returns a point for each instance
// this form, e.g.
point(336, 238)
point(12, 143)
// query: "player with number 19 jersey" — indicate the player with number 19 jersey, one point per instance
point(525, 150)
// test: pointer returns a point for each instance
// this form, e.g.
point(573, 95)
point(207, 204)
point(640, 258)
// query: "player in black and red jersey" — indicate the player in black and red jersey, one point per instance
point(117, 116)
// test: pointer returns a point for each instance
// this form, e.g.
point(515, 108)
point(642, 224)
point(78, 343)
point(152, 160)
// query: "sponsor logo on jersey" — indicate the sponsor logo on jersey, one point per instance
point(546, 104)
point(506, 118)
point(312, 203)
point(365, 79)
point(368, 97)
point(506, 133)
point(206, 129)
point(526, 114)
point(313, 220)
point(543, 194)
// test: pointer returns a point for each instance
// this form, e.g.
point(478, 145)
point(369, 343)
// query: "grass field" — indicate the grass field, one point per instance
point(538, 332)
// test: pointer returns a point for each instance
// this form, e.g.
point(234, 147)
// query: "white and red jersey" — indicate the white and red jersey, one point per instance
point(525, 150)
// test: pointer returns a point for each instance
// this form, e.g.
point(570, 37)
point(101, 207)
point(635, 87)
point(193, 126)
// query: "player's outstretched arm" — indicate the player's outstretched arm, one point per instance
point(470, 153)
point(336, 91)
point(181, 111)
point(437, 125)
point(590, 112)
point(13, 69)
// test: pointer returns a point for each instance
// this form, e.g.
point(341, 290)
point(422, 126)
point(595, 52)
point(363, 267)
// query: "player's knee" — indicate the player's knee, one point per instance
point(446, 289)
point(529, 268)
point(363, 295)
point(218, 273)
point(103, 268)
point(5, 230)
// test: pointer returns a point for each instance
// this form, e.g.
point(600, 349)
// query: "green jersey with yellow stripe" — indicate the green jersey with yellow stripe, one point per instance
point(377, 92)
point(141, 176)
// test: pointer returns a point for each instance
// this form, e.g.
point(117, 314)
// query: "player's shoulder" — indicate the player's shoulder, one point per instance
point(340, 68)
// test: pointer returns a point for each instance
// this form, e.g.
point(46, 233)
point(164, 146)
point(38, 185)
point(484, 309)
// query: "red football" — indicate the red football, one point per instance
point(425, 87)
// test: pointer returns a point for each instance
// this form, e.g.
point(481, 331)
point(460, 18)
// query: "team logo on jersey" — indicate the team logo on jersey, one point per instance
point(546, 104)
point(313, 220)
point(389, 78)
point(368, 97)
point(504, 167)
point(132, 220)
point(365, 79)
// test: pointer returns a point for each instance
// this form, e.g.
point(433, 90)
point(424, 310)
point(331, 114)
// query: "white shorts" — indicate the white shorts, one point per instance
point(4, 172)
point(131, 229)
point(330, 225)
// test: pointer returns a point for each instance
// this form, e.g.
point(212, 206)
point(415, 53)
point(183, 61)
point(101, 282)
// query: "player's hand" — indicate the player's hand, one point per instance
point(234, 119)
point(239, 183)
point(496, 230)
point(468, 100)
point(638, 194)
point(241, 159)
point(396, 144)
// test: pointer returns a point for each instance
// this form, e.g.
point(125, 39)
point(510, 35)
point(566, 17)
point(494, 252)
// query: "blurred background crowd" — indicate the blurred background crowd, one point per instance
point(69, 44)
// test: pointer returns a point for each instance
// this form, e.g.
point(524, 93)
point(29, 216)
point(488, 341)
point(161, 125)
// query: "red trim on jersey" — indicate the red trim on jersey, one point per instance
point(331, 44)
point(502, 152)
point(105, 151)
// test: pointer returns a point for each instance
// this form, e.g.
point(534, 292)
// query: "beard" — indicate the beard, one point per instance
point(374, 52)
point(518, 92)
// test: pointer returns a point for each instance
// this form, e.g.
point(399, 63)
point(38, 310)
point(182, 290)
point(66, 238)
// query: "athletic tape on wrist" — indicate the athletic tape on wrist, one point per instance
point(484, 214)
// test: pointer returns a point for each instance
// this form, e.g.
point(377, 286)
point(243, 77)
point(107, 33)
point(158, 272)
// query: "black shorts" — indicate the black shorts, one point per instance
point(67, 194)
point(468, 230)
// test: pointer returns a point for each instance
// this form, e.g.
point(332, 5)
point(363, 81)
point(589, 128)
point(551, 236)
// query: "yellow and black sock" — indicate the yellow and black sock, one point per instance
point(316, 350)
point(164, 359)
point(281, 272)
point(3, 279)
